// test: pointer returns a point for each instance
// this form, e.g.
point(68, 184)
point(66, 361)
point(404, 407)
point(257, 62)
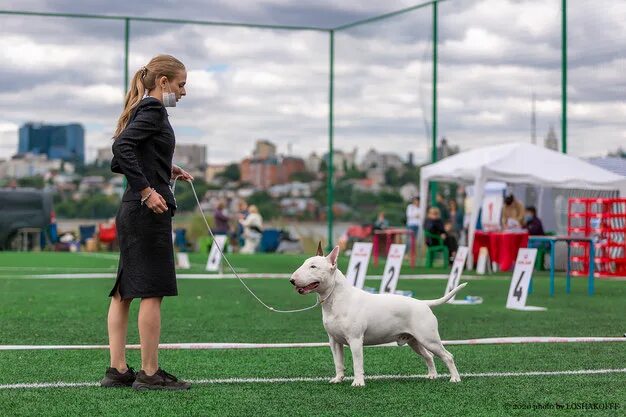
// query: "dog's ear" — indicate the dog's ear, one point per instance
point(319, 249)
point(332, 256)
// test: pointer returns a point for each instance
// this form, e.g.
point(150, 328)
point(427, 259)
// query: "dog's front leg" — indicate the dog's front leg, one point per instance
point(337, 349)
point(356, 346)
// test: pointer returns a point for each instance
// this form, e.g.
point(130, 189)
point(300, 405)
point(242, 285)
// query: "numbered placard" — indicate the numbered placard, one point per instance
point(491, 213)
point(457, 270)
point(182, 260)
point(393, 264)
point(359, 261)
point(518, 291)
point(215, 256)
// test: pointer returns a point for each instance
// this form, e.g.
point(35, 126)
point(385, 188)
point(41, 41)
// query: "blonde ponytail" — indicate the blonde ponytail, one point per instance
point(145, 80)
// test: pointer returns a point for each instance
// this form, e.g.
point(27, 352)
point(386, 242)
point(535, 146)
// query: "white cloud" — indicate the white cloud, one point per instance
point(244, 84)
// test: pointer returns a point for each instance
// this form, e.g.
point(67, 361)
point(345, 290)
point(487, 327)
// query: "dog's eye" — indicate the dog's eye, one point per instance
point(313, 266)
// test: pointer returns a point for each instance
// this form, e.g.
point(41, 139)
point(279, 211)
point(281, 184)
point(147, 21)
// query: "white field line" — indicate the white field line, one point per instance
point(220, 276)
point(211, 346)
point(326, 378)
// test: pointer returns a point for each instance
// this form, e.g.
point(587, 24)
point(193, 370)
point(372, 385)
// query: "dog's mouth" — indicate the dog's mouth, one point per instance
point(305, 290)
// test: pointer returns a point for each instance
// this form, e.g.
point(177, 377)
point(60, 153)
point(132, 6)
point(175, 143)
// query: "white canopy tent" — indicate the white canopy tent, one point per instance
point(516, 163)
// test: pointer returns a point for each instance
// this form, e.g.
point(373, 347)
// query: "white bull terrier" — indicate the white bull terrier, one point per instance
point(356, 318)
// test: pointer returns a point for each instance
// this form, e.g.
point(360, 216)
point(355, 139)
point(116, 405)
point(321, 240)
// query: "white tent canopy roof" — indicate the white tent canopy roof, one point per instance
point(523, 163)
point(516, 163)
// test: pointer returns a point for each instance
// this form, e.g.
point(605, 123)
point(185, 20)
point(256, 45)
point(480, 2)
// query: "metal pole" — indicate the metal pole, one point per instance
point(331, 128)
point(126, 41)
point(564, 76)
point(434, 111)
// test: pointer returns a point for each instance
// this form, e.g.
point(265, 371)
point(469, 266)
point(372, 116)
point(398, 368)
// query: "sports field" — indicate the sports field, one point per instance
point(38, 308)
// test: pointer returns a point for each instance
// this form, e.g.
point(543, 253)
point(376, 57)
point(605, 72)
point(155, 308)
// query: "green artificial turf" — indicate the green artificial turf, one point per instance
point(73, 311)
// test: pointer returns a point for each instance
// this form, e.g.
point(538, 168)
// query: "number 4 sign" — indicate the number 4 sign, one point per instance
point(392, 268)
point(359, 261)
point(518, 291)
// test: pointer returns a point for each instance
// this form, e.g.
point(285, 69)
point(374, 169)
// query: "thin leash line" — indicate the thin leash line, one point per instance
point(317, 302)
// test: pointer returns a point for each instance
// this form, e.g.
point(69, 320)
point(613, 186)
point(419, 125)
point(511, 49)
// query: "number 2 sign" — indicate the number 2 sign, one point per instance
point(518, 291)
point(392, 268)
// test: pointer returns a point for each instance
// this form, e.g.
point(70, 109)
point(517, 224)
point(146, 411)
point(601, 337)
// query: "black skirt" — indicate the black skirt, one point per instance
point(146, 267)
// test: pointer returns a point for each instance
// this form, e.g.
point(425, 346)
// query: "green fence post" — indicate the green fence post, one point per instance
point(331, 129)
point(433, 186)
point(564, 76)
point(126, 41)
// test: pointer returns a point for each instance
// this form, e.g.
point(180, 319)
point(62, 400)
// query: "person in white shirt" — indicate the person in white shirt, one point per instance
point(252, 230)
point(413, 218)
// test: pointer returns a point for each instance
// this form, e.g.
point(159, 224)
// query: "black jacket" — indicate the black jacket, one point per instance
point(143, 151)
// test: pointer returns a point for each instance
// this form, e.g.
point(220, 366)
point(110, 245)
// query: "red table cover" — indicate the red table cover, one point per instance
point(502, 246)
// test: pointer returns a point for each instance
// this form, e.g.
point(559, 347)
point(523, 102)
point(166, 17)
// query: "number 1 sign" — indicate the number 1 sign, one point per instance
point(359, 261)
point(518, 291)
point(215, 256)
point(392, 268)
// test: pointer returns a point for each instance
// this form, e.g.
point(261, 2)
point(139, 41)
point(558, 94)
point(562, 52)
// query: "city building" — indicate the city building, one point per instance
point(191, 157)
point(342, 161)
point(264, 149)
point(551, 141)
point(380, 161)
point(31, 165)
point(65, 142)
point(213, 170)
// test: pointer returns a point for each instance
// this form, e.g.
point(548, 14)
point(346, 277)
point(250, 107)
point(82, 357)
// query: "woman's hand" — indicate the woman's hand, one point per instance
point(155, 201)
point(179, 172)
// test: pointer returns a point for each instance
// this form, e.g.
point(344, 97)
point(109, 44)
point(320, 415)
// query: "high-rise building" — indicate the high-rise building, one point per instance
point(264, 149)
point(551, 142)
point(65, 142)
point(190, 157)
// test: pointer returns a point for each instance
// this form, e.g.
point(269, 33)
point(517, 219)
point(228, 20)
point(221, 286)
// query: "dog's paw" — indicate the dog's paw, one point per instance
point(336, 380)
point(455, 379)
point(358, 382)
point(432, 376)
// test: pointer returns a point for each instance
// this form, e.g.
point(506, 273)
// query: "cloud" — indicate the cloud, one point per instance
point(245, 83)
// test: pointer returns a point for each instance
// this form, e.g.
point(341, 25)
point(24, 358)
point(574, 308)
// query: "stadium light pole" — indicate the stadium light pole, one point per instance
point(564, 76)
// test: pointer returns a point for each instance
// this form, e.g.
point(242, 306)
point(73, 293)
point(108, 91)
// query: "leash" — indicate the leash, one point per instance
point(318, 301)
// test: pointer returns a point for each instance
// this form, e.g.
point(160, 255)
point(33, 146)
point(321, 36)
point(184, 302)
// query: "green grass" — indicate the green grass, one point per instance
point(37, 311)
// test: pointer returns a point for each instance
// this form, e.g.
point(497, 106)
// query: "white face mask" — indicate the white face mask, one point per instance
point(169, 98)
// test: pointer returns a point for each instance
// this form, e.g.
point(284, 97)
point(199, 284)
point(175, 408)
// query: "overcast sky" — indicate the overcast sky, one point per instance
point(245, 84)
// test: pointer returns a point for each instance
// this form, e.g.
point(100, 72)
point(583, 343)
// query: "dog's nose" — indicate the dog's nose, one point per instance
point(293, 281)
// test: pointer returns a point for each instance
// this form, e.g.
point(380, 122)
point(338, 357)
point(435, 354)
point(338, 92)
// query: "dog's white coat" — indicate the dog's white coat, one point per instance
point(356, 318)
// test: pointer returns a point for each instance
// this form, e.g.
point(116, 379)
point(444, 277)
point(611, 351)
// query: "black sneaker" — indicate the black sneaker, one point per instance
point(114, 379)
point(160, 380)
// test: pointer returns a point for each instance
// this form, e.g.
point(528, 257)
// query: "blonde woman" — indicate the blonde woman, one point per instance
point(252, 230)
point(143, 147)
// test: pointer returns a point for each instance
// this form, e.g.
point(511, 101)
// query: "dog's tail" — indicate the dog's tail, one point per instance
point(445, 298)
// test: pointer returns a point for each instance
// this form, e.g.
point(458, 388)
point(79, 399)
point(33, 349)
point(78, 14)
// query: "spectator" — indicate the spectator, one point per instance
point(381, 222)
point(252, 230)
point(512, 212)
point(456, 218)
point(532, 223)
point(220, 219)
point(413, 216)
point(243, 213)
point(435, 226)
point(443, 208)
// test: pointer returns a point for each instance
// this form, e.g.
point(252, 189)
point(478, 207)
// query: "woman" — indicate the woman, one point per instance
point(435, 226)
point(143, 147)
point(252, 229)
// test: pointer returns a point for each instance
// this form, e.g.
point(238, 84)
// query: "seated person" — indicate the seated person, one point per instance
point(381, 222)
point(435, 226)
point(532, 222)
point(513, 209)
